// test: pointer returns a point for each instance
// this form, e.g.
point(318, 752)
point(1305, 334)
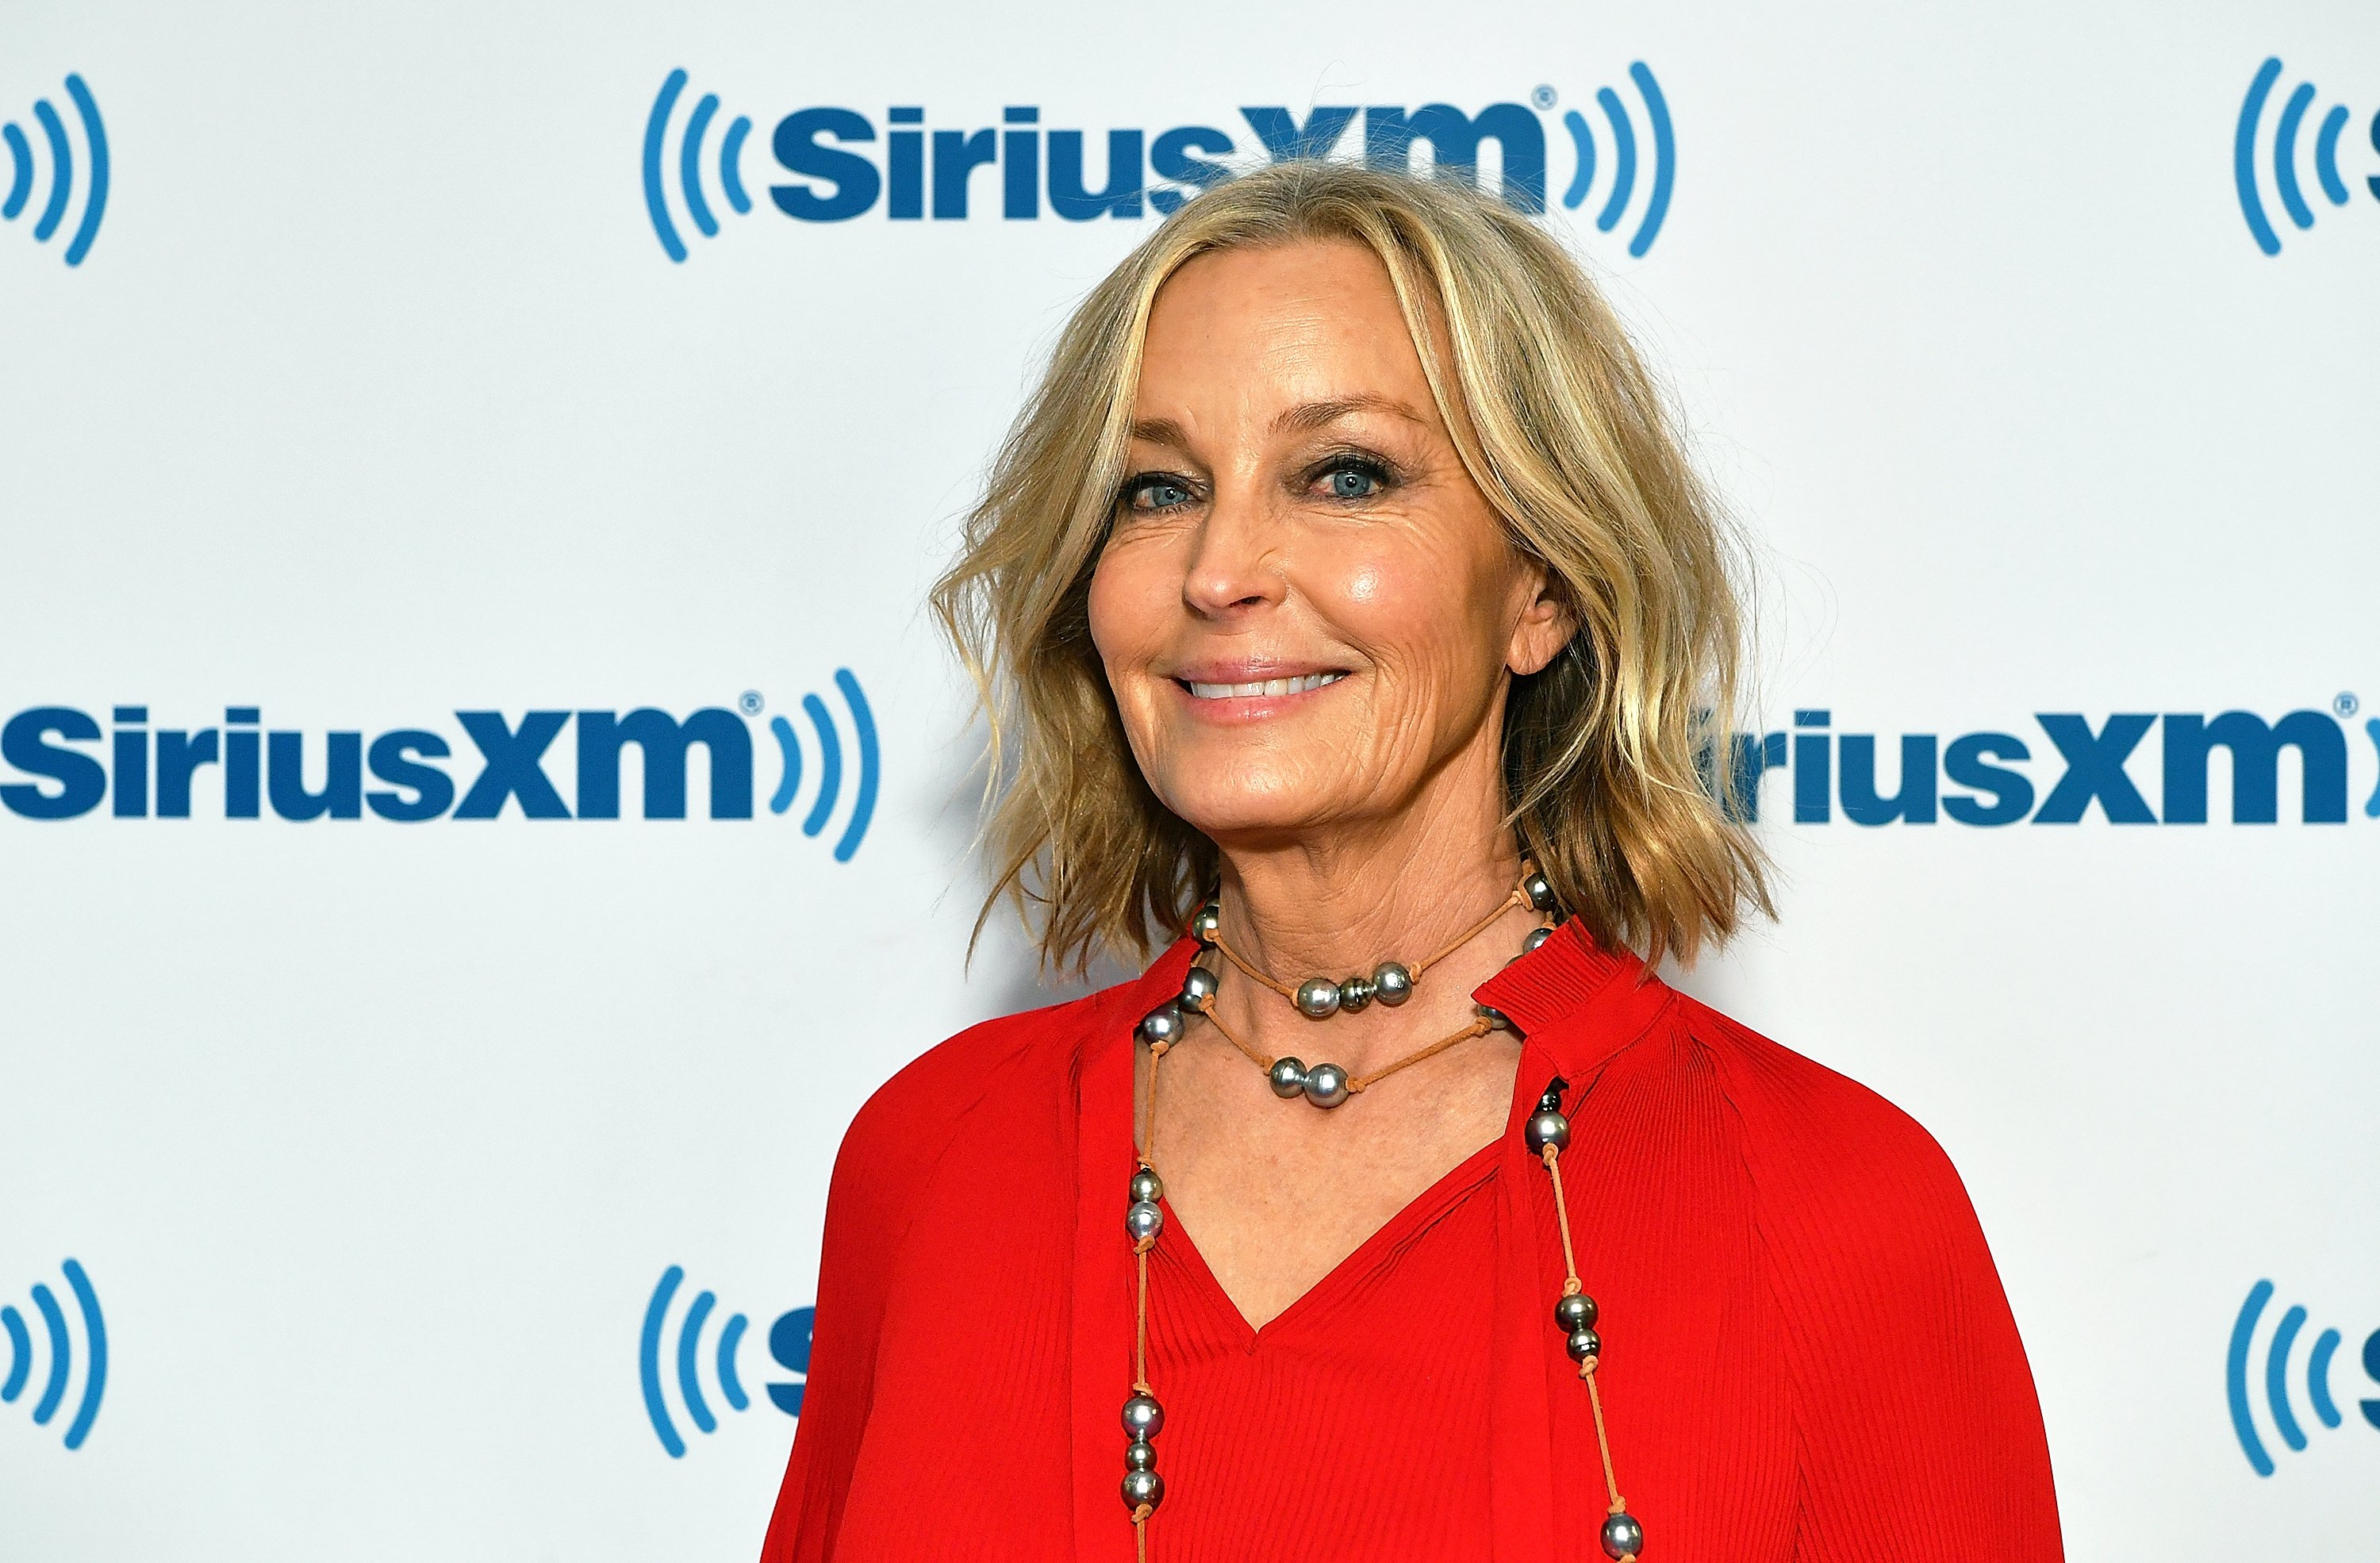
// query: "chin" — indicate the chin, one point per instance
point(1256, 801)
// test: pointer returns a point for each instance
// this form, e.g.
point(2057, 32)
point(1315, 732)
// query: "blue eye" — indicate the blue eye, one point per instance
point(1352, 481)
point(1155, 493)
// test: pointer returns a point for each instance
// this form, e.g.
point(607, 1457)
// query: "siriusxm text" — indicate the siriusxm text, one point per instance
point(2072, 767)
point(1021, 169)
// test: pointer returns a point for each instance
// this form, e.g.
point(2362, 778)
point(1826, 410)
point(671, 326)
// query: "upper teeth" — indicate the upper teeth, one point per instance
point(1297, 686)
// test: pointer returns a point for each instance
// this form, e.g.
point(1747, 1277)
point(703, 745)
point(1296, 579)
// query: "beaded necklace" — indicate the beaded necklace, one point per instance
point(1327, 1085)
point(1392, 982)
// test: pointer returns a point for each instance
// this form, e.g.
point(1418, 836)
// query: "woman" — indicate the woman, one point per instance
point(1344, 596)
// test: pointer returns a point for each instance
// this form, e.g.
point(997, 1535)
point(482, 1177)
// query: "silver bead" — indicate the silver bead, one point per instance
point(1622, 1537)
point(1288, 1077)
point(1326, 1086)
point(1540, 893)
point(1164, 1023)
point(1496, 1020)
point(1582, 1344)
point(1143, 1417)
point(1354, 992)
point(1142, 1487)
point(1391, 984)
point(1144, 1221)
point(1318, 997)
point(1538, 937)
point(1198, 986)
point(1207, 924)
point(1140, 1455)
point(1547, 1128)
point(1575, 1311)
point(1146, 1185)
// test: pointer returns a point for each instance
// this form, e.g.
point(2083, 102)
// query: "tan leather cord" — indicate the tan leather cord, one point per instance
point(1144, 1138)
point(1519, 897)
point(1479, 1027)
point(1572, 1287)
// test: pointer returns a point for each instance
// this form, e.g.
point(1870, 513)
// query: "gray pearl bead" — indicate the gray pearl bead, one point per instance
point(1318, 997)
point(1354, 992)
point(1140, 1455)
point(1536, 938)
point(1146, 1185)
point(1496, 1020)
point(1391, 984)
point(1288, 1077)
point(1198, 986)
point(1547, 1128)
point(1142, 1487)
point(1575, 1313)
point(1326, 1086)
point(1622, 1537)
point(1582, 1344)
point(1207, 924)
point(1540, 893)
point(1164, 1023)
point(1144, 1221)
point(1143, 1417)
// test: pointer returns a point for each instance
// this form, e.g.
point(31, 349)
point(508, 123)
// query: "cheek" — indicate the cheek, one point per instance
point(1128, 598)
point(1418, 609)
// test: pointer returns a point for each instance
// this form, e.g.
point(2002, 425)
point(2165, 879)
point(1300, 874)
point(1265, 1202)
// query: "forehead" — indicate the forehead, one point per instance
point(1262, 326)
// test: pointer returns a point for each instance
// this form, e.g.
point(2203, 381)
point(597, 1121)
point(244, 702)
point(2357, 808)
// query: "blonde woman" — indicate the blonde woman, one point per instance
point(1343, 598)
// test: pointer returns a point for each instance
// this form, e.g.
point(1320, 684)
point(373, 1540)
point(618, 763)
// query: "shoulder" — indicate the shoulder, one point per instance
point(995, 1067)
point(1799, 1110)
point(1839, 1176)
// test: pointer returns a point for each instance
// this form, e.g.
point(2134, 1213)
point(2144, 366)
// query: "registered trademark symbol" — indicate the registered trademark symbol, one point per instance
point(2345, 704)
point(1542, 96)
point(750, 702)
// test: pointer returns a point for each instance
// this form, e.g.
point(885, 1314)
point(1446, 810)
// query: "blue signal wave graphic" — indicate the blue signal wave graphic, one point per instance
point(2286, 187)
point(60, 1340)
point(689, 164)
point(1623, 159)
point(24, 165)
point(688, 1359)
point(2372, 804)
point(829, 748)
point(2236, 1370)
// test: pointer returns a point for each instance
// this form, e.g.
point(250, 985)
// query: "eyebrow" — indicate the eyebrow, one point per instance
point(1305, 416)
point(1318, 415)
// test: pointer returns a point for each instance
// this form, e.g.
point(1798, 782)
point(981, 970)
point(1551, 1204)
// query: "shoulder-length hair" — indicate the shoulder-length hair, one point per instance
point(1610, 780)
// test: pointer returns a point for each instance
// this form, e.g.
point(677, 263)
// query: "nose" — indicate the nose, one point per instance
point(1235, 560)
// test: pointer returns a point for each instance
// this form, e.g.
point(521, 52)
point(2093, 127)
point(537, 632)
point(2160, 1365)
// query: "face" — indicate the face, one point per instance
point(1307, 611)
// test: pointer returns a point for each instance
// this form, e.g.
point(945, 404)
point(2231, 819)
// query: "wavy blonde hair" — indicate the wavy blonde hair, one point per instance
point(1609, 780)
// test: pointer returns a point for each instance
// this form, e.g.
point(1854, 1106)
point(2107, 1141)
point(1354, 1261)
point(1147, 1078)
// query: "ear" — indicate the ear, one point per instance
point(1545, 624)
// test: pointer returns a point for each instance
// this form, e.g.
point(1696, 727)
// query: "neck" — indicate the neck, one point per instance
point(1335, 904)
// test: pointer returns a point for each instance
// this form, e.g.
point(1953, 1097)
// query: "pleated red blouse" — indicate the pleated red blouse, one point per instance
point(1807, 1353)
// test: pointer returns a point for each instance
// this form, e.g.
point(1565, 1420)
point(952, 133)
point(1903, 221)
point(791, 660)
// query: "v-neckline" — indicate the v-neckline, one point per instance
point(1416, 1215)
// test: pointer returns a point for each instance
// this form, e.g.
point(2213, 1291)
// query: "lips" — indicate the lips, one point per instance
point(1257, 689)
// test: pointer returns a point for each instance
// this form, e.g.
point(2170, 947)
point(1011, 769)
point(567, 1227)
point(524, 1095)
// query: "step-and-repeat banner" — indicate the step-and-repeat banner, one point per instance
point(480, 803)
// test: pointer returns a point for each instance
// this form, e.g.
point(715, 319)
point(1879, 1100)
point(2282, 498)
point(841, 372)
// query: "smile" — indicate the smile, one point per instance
point(1297, 686)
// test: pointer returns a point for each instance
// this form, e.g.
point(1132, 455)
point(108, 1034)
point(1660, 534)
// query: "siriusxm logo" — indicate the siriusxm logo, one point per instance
point(236, 770)
point(842, 166)
point(1982, 777)
point(2284, 162)
point(55, 174)
point(56, 1355)
point(2315, 1375)
point(789, 1347)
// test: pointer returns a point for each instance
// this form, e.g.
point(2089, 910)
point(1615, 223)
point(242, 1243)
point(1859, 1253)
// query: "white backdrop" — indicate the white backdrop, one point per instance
point(374, 398)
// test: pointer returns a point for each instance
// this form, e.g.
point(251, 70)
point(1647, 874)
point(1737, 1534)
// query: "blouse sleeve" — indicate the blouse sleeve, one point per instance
point(1919, 1430)
point(867, 1197)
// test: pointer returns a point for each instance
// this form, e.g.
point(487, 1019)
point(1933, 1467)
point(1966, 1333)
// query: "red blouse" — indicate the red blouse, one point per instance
point(1806, 1350)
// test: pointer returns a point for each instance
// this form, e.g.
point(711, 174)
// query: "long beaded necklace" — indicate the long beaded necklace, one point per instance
point(1328, 1086)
